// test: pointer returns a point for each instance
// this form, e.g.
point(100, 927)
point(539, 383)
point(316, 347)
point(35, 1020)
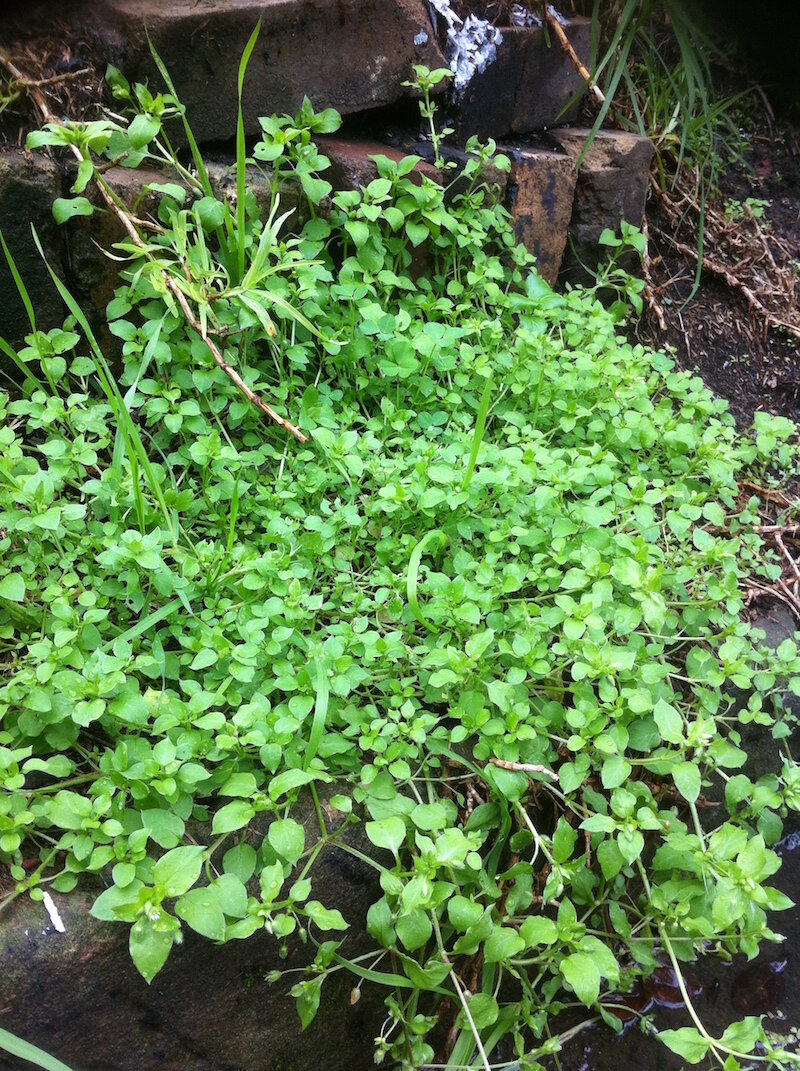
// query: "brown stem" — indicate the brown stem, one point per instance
point(524, 767)
point(552, 21)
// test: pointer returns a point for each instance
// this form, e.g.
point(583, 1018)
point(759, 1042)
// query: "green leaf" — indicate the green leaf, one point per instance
point(149, 947)
point(429, 816)
point(232, 816)
point(417, 232)
point(387, 833)
point(687, 1043)
point(414, 930)
point(210, 212)
point(583, 975)
point(240, 861)
point(65, 208)
point(307, 994)
point(743, 1036)
point(200, 909)
point(323, 917)
point(179, 869)
point(358, 231)
point(538, 930)
point(143, 129)
point(379, 923)
point(686, 776)
point(12, 587)
point(288, 838)
point(231, 895)
point(502, 944)
point(669, 722)
point(291, 779)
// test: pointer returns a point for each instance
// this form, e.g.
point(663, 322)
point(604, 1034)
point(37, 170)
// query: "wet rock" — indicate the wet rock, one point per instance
point(345, 54)
point(29, 183)
point(77, 994)
point(759, 988)
point(531, 84)
point(664, 990)
point(352, 165)
point(540, 194)
point(612, 186)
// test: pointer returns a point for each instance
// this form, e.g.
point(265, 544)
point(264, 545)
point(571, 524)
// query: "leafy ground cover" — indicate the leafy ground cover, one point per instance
point(449, 543)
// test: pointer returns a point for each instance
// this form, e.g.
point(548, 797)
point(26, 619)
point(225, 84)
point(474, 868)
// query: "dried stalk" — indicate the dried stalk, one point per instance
point(524, 767)
point(34, 89)
point(550, 18)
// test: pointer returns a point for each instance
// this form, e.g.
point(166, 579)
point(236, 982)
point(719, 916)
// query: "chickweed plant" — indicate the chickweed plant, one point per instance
point(485, 606)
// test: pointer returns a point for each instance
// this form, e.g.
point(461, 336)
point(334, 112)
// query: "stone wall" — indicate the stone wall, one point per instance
point(353, 55)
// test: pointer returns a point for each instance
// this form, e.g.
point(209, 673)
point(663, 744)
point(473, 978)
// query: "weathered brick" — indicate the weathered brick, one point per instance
point(351, 163)
point(346, 54)
point(540, 193)
point(530, 85)
point(612, 186)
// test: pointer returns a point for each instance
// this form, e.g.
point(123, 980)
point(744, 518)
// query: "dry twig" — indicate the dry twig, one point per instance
point(550, 17)
point(524, 767)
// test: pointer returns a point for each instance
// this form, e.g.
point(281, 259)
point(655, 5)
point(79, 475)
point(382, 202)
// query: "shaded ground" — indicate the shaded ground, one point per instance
point(717, 334)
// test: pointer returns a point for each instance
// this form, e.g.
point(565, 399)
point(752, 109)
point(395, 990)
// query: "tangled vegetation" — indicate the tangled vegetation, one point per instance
point(450, 555)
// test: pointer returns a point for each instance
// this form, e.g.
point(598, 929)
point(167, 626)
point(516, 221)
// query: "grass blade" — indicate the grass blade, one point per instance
point(320, 712)
point(24, 1050)
point(241, 156)
point(197, 157)
point(477, 435)
point(23, 292)
point(413, 576)
point(129, 430)
point(144, 624)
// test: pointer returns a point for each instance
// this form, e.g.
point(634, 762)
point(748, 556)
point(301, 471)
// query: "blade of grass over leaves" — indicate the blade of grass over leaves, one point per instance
point(197, 156)
point(20, 285)
point(413, 577)
point(320, 712)
point(477, 436)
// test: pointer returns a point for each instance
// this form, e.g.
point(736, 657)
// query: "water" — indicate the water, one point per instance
point(721, 993)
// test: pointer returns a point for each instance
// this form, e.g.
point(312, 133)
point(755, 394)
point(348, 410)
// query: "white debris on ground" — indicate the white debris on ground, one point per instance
point(52, 911)
point(421, 38)
point(471, 43)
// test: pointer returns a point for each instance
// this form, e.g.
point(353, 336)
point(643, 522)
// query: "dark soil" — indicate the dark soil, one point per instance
point(48, 48)
point(715, 333)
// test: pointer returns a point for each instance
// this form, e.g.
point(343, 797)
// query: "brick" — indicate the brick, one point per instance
point(352, 166)
point(612, 186)
point(528, 86)
point(346, 54)
point(540, 193)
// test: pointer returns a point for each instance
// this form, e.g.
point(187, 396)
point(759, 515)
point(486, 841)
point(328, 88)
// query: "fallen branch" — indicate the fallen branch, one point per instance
point(170, 282)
